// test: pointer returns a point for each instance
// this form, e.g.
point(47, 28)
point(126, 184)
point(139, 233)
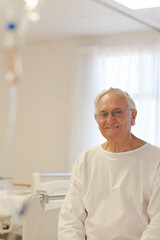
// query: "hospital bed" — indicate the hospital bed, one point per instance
point(11, 209)
point(41, 208)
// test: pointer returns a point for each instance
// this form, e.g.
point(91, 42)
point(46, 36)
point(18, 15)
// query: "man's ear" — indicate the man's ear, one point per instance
point(95, 116)
point(134, 114)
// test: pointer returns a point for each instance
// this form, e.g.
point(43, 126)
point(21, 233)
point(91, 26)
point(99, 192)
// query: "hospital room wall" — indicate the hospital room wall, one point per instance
point(45, 95)
point(41, 136)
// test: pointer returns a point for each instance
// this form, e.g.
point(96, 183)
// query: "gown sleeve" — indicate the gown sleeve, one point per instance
point(152, 232)
point(73, 214)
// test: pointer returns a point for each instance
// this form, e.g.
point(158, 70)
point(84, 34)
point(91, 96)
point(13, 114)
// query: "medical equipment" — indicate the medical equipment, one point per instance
point(43, 206)
point(16, 15)
point(34, 214)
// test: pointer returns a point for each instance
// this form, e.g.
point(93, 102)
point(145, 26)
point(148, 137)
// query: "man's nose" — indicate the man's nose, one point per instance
point(110, 118)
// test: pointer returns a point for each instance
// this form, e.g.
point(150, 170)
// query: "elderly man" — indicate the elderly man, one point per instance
point(115, 187)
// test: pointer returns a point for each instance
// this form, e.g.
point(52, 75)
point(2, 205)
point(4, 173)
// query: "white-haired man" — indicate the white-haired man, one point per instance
point(115, 187)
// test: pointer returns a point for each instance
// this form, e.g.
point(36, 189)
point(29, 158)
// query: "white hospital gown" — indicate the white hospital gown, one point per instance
point(113, 196)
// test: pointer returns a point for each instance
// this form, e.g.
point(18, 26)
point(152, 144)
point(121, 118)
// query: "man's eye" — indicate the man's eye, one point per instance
point(117, 113)
point(104, 114)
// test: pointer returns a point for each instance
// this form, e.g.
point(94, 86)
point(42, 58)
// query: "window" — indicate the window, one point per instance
point(133, 69)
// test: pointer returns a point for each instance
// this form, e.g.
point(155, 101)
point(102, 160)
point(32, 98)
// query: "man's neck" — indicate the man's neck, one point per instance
point(123, 146)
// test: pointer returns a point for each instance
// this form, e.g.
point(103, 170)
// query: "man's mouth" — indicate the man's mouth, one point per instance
point(112, 127)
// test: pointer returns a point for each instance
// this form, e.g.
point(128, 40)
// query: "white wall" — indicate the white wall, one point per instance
point(43, 122)
point(43, 127)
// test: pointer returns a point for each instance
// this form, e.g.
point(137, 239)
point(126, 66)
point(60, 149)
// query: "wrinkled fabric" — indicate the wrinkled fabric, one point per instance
point(113, 196)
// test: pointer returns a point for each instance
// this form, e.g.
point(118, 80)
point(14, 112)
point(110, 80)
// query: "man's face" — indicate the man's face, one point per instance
point(114, 117)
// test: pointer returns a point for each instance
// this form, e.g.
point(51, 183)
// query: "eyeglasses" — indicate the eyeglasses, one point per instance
point(118, 113)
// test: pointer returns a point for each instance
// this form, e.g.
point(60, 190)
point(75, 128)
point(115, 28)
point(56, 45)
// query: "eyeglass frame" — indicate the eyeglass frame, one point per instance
point(112, 113)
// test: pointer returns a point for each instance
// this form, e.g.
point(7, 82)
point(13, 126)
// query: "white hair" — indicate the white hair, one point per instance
point(131, 103)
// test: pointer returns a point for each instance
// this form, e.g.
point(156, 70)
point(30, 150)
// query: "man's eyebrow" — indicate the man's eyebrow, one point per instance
point(114, 109)
point(117, 109)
